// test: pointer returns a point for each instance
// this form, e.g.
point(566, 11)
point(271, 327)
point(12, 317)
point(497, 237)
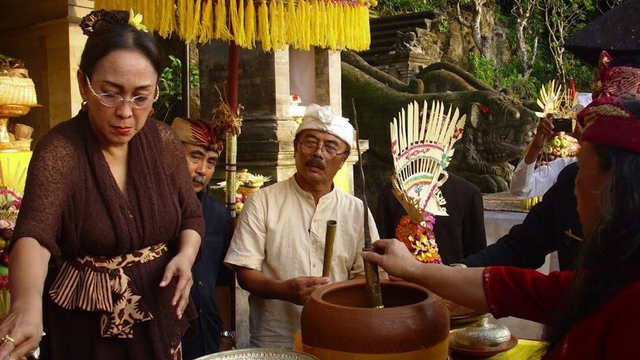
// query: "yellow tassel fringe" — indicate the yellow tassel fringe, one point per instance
point(250, 25)
point(206, 29)
point(333, 24)
point(263, 26)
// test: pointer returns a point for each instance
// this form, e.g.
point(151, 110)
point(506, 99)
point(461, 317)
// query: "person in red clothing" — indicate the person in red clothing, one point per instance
point(591, 312)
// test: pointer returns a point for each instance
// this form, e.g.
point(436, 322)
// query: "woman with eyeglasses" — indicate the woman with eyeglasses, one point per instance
point(109, 226)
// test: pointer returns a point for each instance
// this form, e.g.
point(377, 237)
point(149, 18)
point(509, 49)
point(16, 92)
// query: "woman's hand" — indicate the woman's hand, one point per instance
point(394, 257)
point(23, 325)
point(179, 267)
point(28, 266)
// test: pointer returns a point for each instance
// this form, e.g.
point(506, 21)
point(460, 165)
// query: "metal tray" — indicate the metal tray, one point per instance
point(262, 354)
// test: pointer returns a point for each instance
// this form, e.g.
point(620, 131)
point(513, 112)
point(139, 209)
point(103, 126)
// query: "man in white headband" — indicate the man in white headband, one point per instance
point(278, 246)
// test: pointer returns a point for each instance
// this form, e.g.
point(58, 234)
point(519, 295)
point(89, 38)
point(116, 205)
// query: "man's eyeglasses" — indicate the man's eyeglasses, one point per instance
point(112, 99)
point(311, 146)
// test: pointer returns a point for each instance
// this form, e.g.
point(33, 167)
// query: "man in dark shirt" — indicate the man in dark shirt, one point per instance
point(202, 145)
point(458, 235)
point(551, 225)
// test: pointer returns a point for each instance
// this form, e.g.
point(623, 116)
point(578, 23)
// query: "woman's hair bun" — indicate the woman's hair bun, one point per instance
point(98, 20)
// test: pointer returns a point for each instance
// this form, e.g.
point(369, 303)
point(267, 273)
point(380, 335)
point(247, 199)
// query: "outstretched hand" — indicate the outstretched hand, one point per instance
point(394, 257)
point(299, 289)
point(179, 267)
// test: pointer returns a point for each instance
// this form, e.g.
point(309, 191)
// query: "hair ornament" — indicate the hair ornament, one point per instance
point(98, 20)
point(135, 20)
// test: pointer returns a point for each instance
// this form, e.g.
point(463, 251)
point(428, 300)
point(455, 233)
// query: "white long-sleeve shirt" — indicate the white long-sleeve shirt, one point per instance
point(528, 182)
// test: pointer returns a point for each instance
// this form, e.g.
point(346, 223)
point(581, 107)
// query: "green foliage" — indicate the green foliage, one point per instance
point(171, 88)
point(483, 68)
point(394, 7)
point(507, 76)
point(510, 77)
point(583, 75)
point(443, 25)
point(503, 16)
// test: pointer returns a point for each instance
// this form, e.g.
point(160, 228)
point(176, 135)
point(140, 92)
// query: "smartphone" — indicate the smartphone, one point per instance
point(562, 125)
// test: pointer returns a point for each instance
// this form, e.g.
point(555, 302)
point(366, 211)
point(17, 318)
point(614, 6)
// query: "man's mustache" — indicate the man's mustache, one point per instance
point(315, 162)
point(198, 179)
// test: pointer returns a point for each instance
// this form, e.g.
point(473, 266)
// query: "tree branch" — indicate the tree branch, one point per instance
point(523, 15)
point(460, 18)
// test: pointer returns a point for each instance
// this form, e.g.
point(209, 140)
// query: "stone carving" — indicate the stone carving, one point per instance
point(498, 128)
point(415, 86)
point(444, 76)
point(407, 43)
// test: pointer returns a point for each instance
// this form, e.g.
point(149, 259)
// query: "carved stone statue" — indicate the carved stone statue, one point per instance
point(497, 131)
point(407, 43)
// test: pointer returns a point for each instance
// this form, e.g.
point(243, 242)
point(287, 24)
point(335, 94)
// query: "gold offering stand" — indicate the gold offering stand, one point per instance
point(21, 140)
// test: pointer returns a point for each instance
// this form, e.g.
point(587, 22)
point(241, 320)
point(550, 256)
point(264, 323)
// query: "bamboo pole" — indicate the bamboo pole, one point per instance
point(330, 237)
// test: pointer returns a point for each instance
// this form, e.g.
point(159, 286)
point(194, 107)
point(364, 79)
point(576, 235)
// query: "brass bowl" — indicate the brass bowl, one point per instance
point(262, 354)
point(482, 335)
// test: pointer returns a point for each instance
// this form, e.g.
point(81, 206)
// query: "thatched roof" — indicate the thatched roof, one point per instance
point(617, 31)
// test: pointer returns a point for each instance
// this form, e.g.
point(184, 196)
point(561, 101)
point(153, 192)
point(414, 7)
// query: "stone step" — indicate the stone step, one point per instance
point(421, 23)
point(384, 30)
point(418, 18)
point(391, 33)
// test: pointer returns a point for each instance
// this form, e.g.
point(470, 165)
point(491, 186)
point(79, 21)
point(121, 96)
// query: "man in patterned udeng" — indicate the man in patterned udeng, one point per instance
point(203, 141)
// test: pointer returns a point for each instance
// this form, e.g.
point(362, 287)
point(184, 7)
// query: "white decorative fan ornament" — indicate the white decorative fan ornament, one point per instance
point(422, 146)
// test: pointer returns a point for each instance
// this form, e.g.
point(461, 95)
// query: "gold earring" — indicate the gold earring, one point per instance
point(151, 112)
point(84, 106)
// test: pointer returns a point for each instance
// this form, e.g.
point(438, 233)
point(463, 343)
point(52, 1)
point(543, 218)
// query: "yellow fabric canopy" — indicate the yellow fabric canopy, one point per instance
point(332, 24)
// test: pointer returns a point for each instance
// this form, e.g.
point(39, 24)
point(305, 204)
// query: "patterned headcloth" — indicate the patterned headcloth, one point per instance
point(607, 122)
point(323, 118)
point(200, 132)
point(621, 81)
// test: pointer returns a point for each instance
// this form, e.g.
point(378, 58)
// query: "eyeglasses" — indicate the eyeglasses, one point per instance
point(109, 99)
point(311, 146)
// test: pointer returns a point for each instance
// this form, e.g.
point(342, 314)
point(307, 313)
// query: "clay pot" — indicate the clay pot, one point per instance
point(338, 323)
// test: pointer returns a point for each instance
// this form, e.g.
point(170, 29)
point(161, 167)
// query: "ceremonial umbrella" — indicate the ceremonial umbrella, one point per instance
point(617, 31)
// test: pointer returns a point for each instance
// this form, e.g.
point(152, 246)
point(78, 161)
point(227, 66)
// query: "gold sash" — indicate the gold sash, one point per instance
point(100, 284)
